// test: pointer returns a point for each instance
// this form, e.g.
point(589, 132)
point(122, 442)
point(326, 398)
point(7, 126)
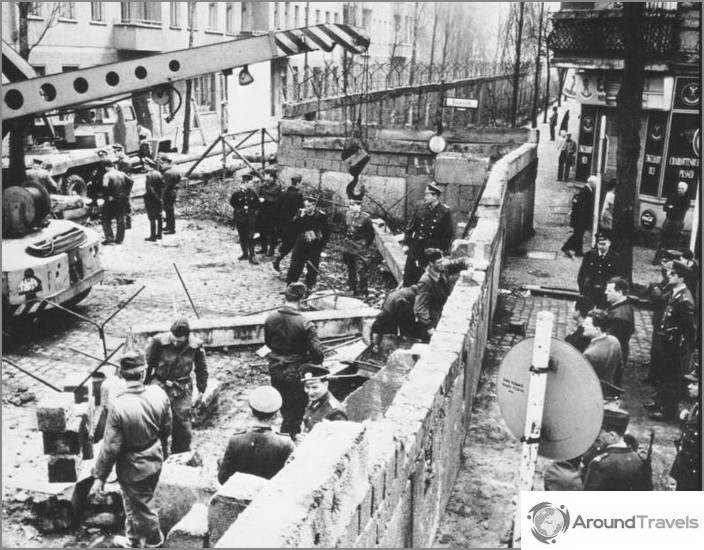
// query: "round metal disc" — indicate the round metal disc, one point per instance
point(574, 405)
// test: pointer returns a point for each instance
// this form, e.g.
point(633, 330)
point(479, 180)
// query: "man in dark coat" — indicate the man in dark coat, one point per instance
point(153, 200)
point(553, 123)
point(431, 227)
point(172, 178)
point(312, 234)
point(322, 404)
point(582, 307)
point(687, 468)
point(293, 341)
point(95, 183)
point(621, 320)
point(137, 427)
point(356, 251)
point(123, 165)
point(397, 316)
point(604, 350)
point(598, 266)
point(290, 203)
point(114, 207)
point(434, 289)
point(581, 217)
point(258, 450)
point(245, 203)
point(675, 209)
point(568, 150)
point(268, 214)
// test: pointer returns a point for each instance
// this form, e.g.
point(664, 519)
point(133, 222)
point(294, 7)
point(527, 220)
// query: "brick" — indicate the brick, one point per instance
point(64, 468)
point(230, 501)
point(54, 412)
point(191, 531)
point(69, 442)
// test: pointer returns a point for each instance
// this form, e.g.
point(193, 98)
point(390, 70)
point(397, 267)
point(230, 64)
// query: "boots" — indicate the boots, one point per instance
point(276, 264)
point(252, 257)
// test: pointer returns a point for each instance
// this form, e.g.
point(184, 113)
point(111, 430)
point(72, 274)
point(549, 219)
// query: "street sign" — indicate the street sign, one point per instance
point(461, 103)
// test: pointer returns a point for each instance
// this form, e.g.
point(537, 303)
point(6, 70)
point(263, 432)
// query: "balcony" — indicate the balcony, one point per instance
point(138, 35)
point(599, 34)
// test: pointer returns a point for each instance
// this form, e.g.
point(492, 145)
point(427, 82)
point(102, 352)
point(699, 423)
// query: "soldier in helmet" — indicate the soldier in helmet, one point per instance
point(172, 357)
point(137, 427)
point(258, 450)
point(322, 405)
point(431, 227)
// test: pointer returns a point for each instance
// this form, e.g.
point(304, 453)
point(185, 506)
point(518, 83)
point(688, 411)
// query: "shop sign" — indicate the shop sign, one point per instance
point(682, 162)
point(652, 154)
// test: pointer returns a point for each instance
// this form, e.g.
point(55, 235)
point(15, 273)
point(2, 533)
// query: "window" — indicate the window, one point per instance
point(96, 11)
point(305, 16)
point(204, 91)
point(336, 18)
point(327, 17)
point(297, 17)
point(245, 16)
point(287, 15)
point(175, 14)
point(69, 68)
point(145, 13)
point(67, 10)
point(367, 19)
point(317, 16)
point(277, 24)
point(39, 69)
point(212, 16)
point(35, 9)
point(230, 18)
point(397, 24)
point(193, 15)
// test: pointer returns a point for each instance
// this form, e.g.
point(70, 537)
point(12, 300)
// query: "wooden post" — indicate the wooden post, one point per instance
point(534, 413)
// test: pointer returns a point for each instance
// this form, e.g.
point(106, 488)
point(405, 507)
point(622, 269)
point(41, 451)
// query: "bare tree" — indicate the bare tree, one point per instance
point(189, 82)
point(536, 83)
point(517, 64)
point(52, 11)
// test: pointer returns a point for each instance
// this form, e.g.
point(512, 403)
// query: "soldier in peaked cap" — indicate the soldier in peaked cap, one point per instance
point(259, 450)
point(598, 266)
point(430, 227)
point(171, 357)
point(359, 236)
point(172, 178)
point(312, 232)
point(618, 467)
point(322, 405)
point(245, 203)
point(687, 468)
point(290, 203)
point(137, 427)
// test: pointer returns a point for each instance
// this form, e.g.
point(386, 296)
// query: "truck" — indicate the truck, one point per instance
point(47, 260)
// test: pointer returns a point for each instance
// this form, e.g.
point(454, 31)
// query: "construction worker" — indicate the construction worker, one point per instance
point(172, 178)
point(434, 289)
point(114, 206)
point(359, 237)
point(245, 203)
point(431, 227)
point(396, 317)
point(268, 214)
point(95, 183)
point(171, 357)
point(258, 450)
point(293, 341)
point(312, 234)
point(137, 427)
point(290, 203)
point(39, 173)
point(153, 200)
point(322, 405)
point(122, 164)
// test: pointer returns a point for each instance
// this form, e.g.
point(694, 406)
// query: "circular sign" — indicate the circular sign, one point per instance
point(437, 144)
point(697, 142)
point(648, 219)
point(573, 407)
point(691, 94)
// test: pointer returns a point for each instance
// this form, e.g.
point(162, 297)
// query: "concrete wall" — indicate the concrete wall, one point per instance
point(386, 482)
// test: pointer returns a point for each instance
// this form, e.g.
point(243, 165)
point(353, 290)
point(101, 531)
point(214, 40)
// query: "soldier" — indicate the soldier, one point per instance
point(687, 468)
point(675, 209)
point(618, 467)
point(434, 289)
point(137, 427)
point(171, 357)
point(604, 350)
point(244, 202)
point(293, 341)
point(396, 317)
point(620, 317)
point(95, 183)
point(359, 237)
point(568, 150)
point(582, 306)
point(267, 217)
point(39, 173)
point(153, 200)
point(431, 227)
point(678, 330)
point(290, 203)
point(598, 266)
point(581, 217)
point(114, 207)
point(172, 178)
point(312, 234)
point(322, 404)
point(123, 165)
point(258, 451)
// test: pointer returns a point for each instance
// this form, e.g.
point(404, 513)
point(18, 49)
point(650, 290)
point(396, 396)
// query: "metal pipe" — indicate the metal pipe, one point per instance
point(247, 314)
point(103, 362)
point(186, 289)
point(93, 357)
point(31, 375)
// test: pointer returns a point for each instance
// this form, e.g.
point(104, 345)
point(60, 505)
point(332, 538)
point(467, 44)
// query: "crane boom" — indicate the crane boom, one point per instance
point(38, 95)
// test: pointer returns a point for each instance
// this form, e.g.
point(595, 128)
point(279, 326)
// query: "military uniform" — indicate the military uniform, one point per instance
point(325, 408)
point(359, 237)
point(431, 227)
point(687, 468)
point(123, 165)
point(172, 178)
point(594, 273)
point(432, 295)
point(153, 202)
point(293, 340)
point(290, 202)
point(581, 217)
point(617, 468)
point(95, 187)
point(312, 234)
point(267, 217)
point(43, 178)
point(622, 326)
point(397, 316)
point(258, 451)
point(114, 208)
point(137, 427)
point(171, 369)
point(244, 202)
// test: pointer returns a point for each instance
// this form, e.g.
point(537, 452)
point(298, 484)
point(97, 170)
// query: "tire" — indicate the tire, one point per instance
point(74, 185)
point(77, 299)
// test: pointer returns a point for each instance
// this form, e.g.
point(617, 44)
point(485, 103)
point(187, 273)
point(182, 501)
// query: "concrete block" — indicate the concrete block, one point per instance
point(230, 501)
point(209, 403)
point(69, 442)
point(64, 468)
point(189, 458)
point(191, 531)
point(54, 412)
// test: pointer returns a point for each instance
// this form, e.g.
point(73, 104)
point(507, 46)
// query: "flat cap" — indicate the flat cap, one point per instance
point(671, 254)
point(309, 198)
point(265, 399)
point(682, 269)
point(295, 291)
point(432, 188)
point(296, 178)
point(432, 254)
point(310, 372)
point(271, 170)
point(132, 361)
point(181, 327)
point(616, 419)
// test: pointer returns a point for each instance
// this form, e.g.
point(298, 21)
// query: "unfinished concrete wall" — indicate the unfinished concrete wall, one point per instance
point(386, 482)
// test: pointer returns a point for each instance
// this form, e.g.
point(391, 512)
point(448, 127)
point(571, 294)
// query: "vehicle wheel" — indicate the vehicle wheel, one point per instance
point(74, 185)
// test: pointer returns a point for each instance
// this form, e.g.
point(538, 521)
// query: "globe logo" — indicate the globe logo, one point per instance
point(548, 521)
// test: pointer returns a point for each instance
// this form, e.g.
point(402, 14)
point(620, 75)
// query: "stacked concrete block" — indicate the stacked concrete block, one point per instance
point(230, 501)
point(191, 531)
